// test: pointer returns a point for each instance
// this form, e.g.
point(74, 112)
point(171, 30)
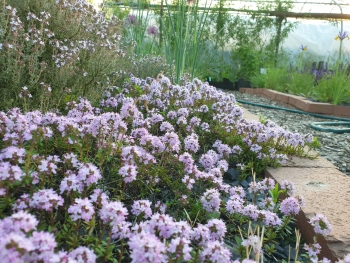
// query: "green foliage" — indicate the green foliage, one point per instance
point(276, 79)
point(299, 83)
point(334, 89)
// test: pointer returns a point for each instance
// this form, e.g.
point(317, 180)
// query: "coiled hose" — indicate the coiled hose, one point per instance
point(314, 125)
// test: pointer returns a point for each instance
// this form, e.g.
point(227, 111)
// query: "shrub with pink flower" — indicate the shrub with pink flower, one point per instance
point(321, 225)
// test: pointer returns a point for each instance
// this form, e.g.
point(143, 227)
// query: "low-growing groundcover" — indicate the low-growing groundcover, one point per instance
point(140, 179)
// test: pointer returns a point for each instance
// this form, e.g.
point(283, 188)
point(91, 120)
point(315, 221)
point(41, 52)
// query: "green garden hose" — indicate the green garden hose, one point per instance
point(314, 125)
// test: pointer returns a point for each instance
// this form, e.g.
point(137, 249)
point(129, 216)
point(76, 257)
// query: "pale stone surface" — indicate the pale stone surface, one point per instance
point(326, 191)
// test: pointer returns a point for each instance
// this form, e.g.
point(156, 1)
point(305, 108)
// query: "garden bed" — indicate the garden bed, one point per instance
point(300, 102)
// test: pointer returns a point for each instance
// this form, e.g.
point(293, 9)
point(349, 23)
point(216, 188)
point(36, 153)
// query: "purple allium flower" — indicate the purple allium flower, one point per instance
point(82, 209)
point(217, 229)
point(83, 255)
point(215, 252)
point(211, 200)
point(147, 248)
point(180, 246)
point(131, 20)
point(46, 199)
point(142, 207)
point(321, 225)
point(290, 206)
point(153, 31)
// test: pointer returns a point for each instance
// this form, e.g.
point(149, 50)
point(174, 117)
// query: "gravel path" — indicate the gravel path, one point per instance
point(335, 147)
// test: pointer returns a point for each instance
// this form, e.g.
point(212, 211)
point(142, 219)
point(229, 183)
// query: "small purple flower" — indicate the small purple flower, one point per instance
point(303, 48)
point(211, 200)
point(217, 229)
point(131, 20)
point(46, 199)
point(82, 209)
point(321, 225)
point(215, 252)
point(290, 206)
point(153, 31)
point(180, 246)
point(147, 248)
point(83, 254)
point(342, 35)
point(142, 207)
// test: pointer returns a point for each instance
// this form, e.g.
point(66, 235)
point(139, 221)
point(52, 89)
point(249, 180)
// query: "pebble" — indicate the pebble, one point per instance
point(334, 147)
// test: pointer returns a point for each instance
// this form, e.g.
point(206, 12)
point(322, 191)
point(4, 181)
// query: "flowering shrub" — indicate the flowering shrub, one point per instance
point(52, 52)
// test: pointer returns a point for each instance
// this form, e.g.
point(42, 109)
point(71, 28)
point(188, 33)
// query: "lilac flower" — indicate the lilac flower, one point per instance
point(217, 229)
point(288, 186)
point(211, 200)
point(44, 241)
point(270, 218)
point(113, 212)
point(166, 126)
point(89, 174)
point(20, 223)
point(208, 160)
point(187, 160)
point(153, 31)
point(71, 183)
point(129, 172)
point(321, 225)
point(13, 246)
point(251, 211)
point(98, 197)
point(10, 172)
point(180, 246)
point(121, 230)
point(13, 153)
point(313, 250)
point(82, 209)
point(290, 206)
point(234, 204)
point(172, 140)
point(188, 181)
point(200, 234)
point(191, 143)
point(347, 258)
point(83, 255)
point(142, 207)
point(215, 252)
point(46, 199)
point(147, 248)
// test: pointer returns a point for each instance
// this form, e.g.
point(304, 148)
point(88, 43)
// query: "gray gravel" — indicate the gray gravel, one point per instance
point(335, 147)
